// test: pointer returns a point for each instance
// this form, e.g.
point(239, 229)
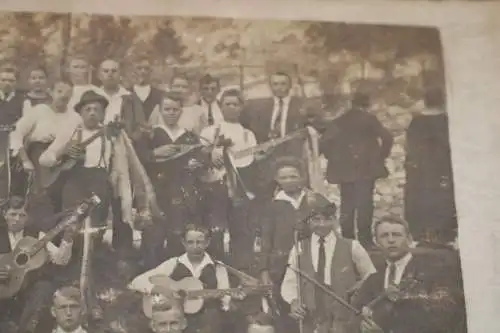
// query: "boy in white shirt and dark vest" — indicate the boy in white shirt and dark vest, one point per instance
point(339, 263)
point(219, 190)
point(27, 305)
point(175, 183)
point(197, 263)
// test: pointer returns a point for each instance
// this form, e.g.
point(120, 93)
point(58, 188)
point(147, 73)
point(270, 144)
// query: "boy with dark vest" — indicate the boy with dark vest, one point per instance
point(341, 264)
point(174, 181)
point(195, 262)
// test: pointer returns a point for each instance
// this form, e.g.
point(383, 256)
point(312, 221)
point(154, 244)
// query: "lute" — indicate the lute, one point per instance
point(31, 253)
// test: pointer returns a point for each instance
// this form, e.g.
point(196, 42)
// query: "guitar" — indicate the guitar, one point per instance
point(180, 150)
point(191, 293)
point(31, 254)
point(50, 175)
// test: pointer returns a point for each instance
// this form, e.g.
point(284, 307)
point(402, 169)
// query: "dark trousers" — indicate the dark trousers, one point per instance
point(357, 201)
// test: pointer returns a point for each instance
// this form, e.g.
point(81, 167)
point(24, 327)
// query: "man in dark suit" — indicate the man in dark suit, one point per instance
point(356, 145)
point(276, 116)
point(149, 95)
point(423, 291)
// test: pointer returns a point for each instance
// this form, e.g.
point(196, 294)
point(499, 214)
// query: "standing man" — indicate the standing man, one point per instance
point(79, 72)
point(276, 116)
point(429, 196)
point(11, 100)
point(209, 89)
point(143, 89)
point(127, 107)
point(431, 298)
point(356, 145)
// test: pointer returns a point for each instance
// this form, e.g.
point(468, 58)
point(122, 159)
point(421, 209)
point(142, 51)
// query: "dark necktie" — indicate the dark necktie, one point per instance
point(276, 132)
point(210, 115)
point(320, 277)
point(391, 278)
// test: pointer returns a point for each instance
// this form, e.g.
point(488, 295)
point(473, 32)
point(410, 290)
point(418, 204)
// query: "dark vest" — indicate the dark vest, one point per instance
point(343, 277)
point(208, 278)
point(11, 110)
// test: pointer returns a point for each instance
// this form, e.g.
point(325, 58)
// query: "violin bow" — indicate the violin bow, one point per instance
point(330, 293)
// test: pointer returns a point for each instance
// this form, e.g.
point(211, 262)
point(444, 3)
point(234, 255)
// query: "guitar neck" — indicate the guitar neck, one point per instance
point(93, 137)
point(217, 293)
point(49, 236)
point(266, 145)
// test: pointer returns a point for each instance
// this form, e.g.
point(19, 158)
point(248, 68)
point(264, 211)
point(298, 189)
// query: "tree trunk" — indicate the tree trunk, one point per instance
point(66, 40)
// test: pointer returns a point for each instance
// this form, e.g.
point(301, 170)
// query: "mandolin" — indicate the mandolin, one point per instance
point(31, 253)
point(191, 292)
point(50, 175)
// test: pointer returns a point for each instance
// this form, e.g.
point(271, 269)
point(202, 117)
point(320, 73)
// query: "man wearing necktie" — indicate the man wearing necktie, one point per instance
point(340, 264)
point(209, 89)
point(423, 290)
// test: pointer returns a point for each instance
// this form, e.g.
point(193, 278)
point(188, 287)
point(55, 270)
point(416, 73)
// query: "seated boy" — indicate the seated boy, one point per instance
point(67, 310)
point(195, 262)
point(28, 303)
point(340, 264)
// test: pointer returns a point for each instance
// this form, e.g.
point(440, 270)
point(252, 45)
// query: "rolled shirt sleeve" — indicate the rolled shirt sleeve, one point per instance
point(223, 283)
point(59, 255)
point(289, 284)
point(51, 155)
point(24, 126)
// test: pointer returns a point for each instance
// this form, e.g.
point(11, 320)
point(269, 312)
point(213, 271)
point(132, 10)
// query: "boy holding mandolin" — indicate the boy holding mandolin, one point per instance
point(195, 268)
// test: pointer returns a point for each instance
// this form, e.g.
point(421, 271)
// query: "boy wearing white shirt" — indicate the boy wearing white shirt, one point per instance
point(28, 302)
point(219, 187)
point(197, 263)
point(341, 264)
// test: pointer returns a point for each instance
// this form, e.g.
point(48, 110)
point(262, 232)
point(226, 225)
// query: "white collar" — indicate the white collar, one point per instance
point(330, 237)
point(402, 262)
point(120, 93)
point(79, 329)
point(14, 234)
point(9, 96)
point(207, 260)
point(205, 103)
point(281, 195)
point(173, 135)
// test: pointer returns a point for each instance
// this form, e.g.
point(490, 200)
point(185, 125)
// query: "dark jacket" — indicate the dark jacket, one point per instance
point(153, 100)
point(356, 145)
point(257, 115)
point(12, 110)
point(415, 311)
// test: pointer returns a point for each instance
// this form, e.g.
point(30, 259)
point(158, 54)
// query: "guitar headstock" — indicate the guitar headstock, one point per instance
point(113, 128)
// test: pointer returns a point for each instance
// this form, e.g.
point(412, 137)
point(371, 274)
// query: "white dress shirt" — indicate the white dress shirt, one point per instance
point(216, 111)
point(400, 268)
point(142, 284)
point(58, 255)
point(79, 329)
point(281, 195)
point(95, 155)
point(115, 104)
point(142, 91)
point(42, 124)
point(284, 115)
point(360, 257)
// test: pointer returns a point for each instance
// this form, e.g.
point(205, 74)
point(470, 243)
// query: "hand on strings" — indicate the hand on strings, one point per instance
point(165, 150)
point(297, 311)
point(76, 151)
point(194, 164)
point(70, 232)
point(239, 295)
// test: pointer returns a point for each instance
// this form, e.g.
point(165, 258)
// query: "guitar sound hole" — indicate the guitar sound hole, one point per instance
point(22, 259)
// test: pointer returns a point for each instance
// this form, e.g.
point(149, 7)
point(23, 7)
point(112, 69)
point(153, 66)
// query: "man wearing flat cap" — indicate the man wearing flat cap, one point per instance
point(339, 263)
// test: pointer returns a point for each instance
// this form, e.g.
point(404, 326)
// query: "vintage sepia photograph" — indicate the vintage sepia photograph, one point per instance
point(172, 174)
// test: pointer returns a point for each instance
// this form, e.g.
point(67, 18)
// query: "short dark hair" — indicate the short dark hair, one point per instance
point(281, 73)
point(208, 79)
point(40, 68)
point(196, 227)
point(391, 219)
point(172, 97)
point(232, 93)
point(288, 162)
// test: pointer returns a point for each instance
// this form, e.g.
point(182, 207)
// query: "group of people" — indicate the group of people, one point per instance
point(203, 188)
